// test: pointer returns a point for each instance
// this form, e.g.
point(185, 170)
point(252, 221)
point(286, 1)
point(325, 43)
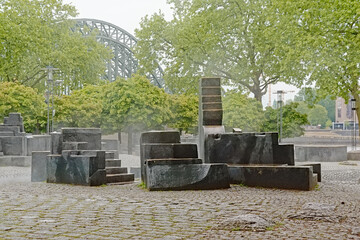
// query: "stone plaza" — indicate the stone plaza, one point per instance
point(39, 210)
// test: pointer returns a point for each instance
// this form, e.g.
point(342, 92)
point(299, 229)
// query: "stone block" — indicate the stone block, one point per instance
point(56, 142)
point(320, 153)
point(74, 145)
point(316, 169)
point(90, 135)
point(76, 169)
point(136, 171)
point(38, 143)
point(160, 137)
point(173, 161)
point(187, 177)
point(283, 177)
point(211, 90)
point(38, 166)
point(14, 130)
point(6, 134)
point(15, 119)
point(14, 145)
point(284, 154)
point(109, 155)
point(211, 81)
point(353, 155)
point(5, 161)
point(212, 117)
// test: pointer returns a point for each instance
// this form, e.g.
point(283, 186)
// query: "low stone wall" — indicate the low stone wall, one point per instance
point(320, 153)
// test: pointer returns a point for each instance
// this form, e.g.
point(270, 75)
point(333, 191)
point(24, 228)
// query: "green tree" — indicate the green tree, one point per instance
point(185, 110)
point(37, 33)
point(316, 114)
point(329, 49)
point(243, 112)
point(293, 121)
point(134, 105)
point(82, 108)
point(15, 97)
point(237, 40)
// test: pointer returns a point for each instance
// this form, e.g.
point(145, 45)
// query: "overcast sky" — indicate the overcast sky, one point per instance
point(126, 14)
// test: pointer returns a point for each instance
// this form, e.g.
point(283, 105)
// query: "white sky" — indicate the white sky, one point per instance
point(127, 14)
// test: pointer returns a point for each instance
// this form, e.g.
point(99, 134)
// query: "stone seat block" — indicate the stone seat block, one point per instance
point(283, 177)
point(211, 99)
point(211, 90)
point(320, 153)
point(187, 177)
point(38, 166)
point(160, 137)
point(120, 178)
point(206, 82)
point(353, 155)
point(173, 161)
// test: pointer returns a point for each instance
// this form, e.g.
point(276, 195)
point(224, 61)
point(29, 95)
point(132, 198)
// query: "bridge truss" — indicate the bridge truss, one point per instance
point(123, 64)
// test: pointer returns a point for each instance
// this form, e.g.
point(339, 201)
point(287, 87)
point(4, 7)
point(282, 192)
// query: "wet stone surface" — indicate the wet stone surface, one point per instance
point(39, 210)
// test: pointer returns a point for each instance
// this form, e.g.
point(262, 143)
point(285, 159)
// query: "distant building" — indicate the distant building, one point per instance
point(344, 115)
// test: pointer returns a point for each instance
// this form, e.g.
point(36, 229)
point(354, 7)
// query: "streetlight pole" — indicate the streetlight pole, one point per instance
point(353, 108)
point(49, 90)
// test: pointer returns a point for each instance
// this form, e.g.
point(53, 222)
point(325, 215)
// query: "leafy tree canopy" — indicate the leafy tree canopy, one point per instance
point(82, 108)
point(237, 40)
point(38, 33)
point(242, 112)
point(15, 97)
point(134, 103)
point(185, 110)
point(293, 121)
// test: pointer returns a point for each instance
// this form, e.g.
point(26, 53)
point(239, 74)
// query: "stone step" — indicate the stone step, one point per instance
point(1, 154)
point(211, 99)
point(212, 105)
point(119, 178)
point(212, 117)
point(170, 150)
point(116, 170)
point(112, 163)
point(207, 82)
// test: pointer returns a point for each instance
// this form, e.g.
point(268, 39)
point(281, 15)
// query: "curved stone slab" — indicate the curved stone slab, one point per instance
point(187, 177)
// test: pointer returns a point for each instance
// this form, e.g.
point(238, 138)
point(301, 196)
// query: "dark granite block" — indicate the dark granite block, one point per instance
point(187, 177)
point(316, 169)
point(173, 161)
point(56, 143)
point(284, 177)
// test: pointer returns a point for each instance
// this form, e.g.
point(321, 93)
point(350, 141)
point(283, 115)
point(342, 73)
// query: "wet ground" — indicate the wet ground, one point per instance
point(59, 211)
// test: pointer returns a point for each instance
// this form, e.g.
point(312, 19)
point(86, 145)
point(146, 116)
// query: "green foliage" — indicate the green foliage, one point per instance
point(135, 104)
point(293, 121)
point(329, 46)
point(242, 112)
point(237, 40)
point(185, 110)
point(82, 108)
point(316, 114)
point(38, 33)
point(15, 97)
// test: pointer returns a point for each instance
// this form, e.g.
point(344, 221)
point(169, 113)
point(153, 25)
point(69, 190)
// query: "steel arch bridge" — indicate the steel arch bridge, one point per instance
point(121, 42)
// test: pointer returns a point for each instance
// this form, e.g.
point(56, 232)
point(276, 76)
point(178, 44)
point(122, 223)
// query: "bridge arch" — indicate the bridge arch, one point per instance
point(121, 42)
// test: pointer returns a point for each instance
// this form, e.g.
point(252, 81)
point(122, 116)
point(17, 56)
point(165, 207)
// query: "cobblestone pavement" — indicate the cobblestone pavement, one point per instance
point(59, 211)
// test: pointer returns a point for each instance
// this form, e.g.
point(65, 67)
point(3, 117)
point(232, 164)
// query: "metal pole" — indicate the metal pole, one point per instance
point(280, 121)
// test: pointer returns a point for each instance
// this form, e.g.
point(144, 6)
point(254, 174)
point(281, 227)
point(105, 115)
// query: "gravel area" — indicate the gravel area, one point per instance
point(59, 211)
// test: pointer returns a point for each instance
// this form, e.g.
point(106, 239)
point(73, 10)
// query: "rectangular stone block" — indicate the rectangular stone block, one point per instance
point(206, 82)
point(38, 166)
point(14, 145)
point(15, 130)
point(283, 177)
point(20, 161)
point(173, 161)
point(212, 117)
point(56, 143)
point(284, 154)
point(211, 90)
point(160, 137)
point(320, 153)
point(38, 143)
point(90, 135)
